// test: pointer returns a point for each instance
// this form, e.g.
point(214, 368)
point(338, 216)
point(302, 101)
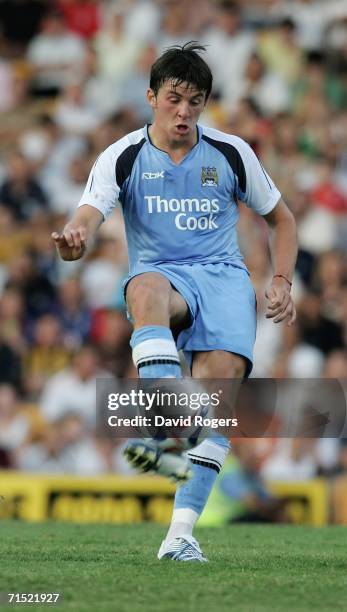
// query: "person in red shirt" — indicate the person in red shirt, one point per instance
point(82, 17)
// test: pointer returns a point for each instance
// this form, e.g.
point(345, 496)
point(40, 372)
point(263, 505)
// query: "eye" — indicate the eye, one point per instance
point(196, 102)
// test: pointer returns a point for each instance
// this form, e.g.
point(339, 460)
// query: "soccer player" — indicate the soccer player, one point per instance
point(179, 184)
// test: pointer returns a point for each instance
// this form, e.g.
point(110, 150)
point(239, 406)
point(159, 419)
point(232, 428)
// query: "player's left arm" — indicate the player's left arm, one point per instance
point(284, 249)
point(257, 190)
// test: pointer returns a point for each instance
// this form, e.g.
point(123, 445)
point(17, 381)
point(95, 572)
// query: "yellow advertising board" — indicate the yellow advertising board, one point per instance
point(128, 500)
point(107, 499)
point(339, 500)
point(307, 501)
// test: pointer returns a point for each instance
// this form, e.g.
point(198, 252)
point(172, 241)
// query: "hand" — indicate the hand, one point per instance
point(71, 244)
point(281, 305)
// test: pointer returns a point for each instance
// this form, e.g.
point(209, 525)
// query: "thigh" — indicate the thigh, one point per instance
point(151, 299)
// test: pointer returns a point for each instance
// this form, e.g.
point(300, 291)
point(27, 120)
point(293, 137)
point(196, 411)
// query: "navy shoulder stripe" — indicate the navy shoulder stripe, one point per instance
point(126, 161)
point(233, 157)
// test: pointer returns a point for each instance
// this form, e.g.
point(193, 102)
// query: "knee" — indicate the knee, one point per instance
point(147, 292)
point(237, 367)
point(219, 364)
point(228, 368)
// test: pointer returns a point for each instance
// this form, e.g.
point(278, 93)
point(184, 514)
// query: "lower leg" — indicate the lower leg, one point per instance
point(208, 457)
point(190, 499)
point(151, 304)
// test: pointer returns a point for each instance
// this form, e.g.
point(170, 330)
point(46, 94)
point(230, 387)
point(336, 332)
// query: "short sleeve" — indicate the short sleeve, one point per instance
point(102, 190)
point(258, 190)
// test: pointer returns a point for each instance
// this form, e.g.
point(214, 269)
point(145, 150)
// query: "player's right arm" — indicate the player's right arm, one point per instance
point(72, 243)
point(99, 198)
point(107, 177)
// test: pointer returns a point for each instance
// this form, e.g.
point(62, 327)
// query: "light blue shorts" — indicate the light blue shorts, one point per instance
point(222, 304)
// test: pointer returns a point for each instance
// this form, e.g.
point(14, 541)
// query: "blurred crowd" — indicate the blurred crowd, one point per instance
point(73, 78)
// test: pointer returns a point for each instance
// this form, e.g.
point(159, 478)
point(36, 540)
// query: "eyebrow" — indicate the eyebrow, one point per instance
point(172, 92)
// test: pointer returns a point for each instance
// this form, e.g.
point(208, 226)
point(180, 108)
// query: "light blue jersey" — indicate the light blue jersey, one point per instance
point(181, 221)
point(181, 213)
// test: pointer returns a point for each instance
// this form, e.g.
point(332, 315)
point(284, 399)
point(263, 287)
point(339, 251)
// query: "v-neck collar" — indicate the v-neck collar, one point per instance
point(165, 153)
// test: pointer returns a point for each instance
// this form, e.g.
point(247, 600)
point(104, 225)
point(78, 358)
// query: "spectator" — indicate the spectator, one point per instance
point(177, 25)
point(278, 50)
point(13, 237)
point(51, 152)
point(73, 314)
point(230, 46)
point(317, 329)
point(143, 20)
point(117, 52)
point(73, 389)
point(12, 319)
point(101, 92)
point(102, 274)
point(6, 86)
point(64, 198)
point(38, 291)
point(14, 426)
point(111, 129)
point(292, 459)
point(43, 251)
point(55, 54)
point(111, 332)
point(331, 276)
point(336, 364)
point(311, 18)
point(267, 90)
point(21, 191)
point(46, 356)
point(83, 17)
point(67, 448)
point(73, 114)
point(16, 31)
point(135, 85)
point(10, 366)
point(317, 81)
point(240, 493)
point(326, 193)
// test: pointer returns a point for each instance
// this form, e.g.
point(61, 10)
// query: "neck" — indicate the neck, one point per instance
point(176, 149)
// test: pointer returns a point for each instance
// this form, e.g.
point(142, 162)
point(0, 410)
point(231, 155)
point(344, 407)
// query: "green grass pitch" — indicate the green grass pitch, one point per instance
point(114, 568)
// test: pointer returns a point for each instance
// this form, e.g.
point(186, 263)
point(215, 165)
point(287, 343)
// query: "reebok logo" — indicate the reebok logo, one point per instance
point(153, 175)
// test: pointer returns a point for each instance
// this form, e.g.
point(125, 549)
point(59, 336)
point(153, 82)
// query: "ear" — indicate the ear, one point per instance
point(151, 98)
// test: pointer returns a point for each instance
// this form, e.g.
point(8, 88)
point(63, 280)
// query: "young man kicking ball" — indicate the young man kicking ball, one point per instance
point(179, 184)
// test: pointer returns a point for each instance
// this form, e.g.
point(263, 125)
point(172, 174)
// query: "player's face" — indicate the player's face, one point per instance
point(176, 111)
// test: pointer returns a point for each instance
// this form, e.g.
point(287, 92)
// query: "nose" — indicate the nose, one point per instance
point(183, 109)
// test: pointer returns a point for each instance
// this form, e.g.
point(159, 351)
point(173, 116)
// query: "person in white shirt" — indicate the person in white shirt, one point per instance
point(229, 47)
point(54, 54)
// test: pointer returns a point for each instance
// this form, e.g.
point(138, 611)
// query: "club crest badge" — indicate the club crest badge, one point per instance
point(209, 176)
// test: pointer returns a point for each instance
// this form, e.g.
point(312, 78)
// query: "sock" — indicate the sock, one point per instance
point(191, 498)
point(154, 352)
point(182, 523)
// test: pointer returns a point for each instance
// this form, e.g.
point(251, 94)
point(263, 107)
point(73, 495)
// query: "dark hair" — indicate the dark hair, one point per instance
point(229, 6)
point(315, 58)
point(287, 23)
point(182, 64)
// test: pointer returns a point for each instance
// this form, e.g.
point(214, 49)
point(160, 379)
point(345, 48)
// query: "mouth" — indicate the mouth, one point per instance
point(182, 128)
